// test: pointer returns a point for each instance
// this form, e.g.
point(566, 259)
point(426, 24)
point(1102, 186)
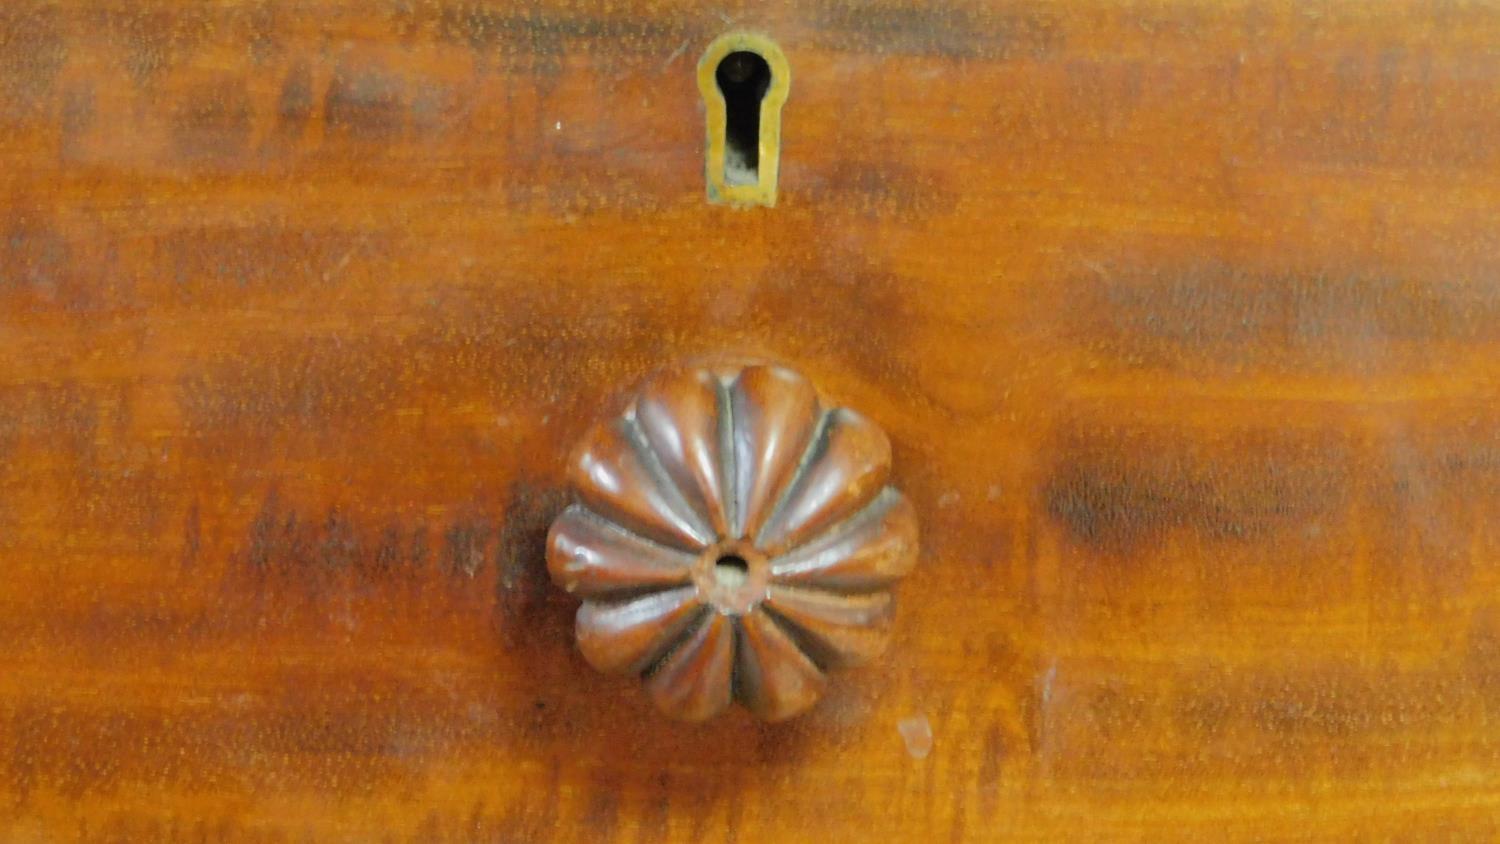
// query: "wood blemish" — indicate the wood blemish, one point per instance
point(33, 50)
point(1123, 489)
point(366, 101)
point(949, 31)
point(1225, 315)
point(295, 103)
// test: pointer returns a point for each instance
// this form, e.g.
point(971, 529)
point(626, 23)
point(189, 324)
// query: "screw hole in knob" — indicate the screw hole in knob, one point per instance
point(731, 571)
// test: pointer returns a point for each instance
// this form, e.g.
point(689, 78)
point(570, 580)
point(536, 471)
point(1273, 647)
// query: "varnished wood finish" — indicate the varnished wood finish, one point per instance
point(1182, 319)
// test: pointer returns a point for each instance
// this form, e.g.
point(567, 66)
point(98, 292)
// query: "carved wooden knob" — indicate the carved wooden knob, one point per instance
point(734, 539)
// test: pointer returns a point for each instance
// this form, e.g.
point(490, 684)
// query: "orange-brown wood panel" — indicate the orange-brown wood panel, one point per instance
point(1183, 319)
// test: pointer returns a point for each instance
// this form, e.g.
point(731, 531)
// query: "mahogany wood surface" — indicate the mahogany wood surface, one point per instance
point(1182, 318)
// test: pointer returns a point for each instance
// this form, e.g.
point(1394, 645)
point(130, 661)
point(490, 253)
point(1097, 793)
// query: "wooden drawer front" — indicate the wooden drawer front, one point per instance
point(1183, 321)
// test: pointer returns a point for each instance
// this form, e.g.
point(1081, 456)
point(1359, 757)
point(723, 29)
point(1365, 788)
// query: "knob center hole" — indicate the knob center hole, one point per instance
point(731, 571)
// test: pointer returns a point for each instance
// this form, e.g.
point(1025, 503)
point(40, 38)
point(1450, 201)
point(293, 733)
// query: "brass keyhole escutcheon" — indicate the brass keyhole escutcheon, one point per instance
point(744, 79)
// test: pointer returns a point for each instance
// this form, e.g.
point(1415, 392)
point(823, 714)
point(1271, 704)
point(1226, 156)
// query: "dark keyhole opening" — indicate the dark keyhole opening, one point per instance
point(743, 78)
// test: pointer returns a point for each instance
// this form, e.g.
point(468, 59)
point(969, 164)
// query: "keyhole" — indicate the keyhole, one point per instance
point(743, 78)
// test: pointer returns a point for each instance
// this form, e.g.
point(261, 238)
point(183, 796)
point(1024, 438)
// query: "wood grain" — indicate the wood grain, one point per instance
point(1182, 317)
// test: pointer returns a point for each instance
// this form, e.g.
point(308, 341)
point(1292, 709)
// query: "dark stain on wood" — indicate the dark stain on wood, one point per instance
point(855, 296)
point(1119, 489)
point(366, 101)
point(282, 545)
point(949, 30)
point(526, 608)
point(34, 261)
point(548, 35)
point(1225, 315)
point(295, 103)
point(994, 750)
point(33, 49)
point(155, 36)
point(79, 111)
